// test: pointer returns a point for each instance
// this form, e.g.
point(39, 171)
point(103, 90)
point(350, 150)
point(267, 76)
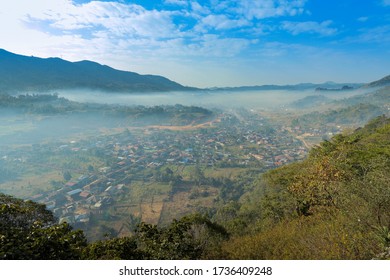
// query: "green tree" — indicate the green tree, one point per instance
point(125, 248)
point(198, 175)
point(192, 237)
point(29, 231)
point(67, 176)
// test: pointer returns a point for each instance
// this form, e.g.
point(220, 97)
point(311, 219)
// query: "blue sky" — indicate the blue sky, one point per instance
point(211, 42)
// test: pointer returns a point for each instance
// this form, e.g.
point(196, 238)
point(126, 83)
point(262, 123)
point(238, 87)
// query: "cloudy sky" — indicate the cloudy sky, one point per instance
point(208, 43)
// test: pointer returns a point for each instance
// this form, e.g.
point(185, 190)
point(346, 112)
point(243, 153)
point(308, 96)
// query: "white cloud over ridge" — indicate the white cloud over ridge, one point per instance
point(98, 25)
point(150, 36)
point(129, 22)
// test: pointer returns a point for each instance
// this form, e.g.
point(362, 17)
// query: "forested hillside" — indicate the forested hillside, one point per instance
point(333, 205)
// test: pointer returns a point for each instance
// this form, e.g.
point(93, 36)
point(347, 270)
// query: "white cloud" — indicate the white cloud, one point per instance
point(199, 10)
point(112, 33)
point(269, 8)
point(115, 18)
point(247, 10)
point(321, 28)
point(183, 3)
point(279, 49)
point(213, 45)
point(363, 19)
point(220, 22)
point(244, 15)
point(103, 26)
point(375, 35)
point(130, 37)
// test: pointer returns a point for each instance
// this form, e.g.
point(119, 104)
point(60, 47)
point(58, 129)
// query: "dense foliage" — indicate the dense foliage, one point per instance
point(29, 231)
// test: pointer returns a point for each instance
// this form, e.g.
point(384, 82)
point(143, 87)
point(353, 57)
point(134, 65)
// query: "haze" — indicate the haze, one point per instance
point(24, 129)
point(262, 99)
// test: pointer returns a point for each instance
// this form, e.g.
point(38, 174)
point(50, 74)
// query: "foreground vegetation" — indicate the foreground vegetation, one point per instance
point(29, 231)
point(333, 205)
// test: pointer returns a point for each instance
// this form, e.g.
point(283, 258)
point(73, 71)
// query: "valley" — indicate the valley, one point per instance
point(106, 169)
point(107, 182)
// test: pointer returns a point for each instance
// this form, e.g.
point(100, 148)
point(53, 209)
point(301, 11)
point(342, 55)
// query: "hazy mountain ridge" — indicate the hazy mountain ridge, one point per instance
point(29, 73)
point(310, 101)
point(301, 86)
point(18, 73)
point(326, 86)
point(385, 81)
point(352, 111)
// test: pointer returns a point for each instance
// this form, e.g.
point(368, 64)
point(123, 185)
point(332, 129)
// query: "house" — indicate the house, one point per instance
point(74, 194)
point(84, 194)
point(81, 218)
point(98, 205)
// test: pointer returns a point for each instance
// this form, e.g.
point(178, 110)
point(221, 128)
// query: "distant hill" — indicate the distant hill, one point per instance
point(379, 97)
point(327, 86)
point(344, 88)
point(380, 83)
point(310, 101)
point(19, 73)
point(351, 111)
point(302, 86)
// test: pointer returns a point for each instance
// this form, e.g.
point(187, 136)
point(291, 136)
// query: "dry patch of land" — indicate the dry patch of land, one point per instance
point(31, 185)
point(151, 211)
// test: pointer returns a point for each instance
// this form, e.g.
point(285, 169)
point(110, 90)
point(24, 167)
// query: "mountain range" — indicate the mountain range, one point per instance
point(29, 73)
point(301, 86)
point(21, 73)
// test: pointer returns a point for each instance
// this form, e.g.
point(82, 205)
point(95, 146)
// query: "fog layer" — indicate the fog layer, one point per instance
point(22, 129)
point(208, 99)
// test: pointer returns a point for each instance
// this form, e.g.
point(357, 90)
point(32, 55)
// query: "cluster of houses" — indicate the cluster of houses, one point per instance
point(232, 141)
point(78, 199)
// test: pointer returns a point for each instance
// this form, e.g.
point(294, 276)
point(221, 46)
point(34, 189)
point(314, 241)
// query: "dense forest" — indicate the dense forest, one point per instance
point(335, 204)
